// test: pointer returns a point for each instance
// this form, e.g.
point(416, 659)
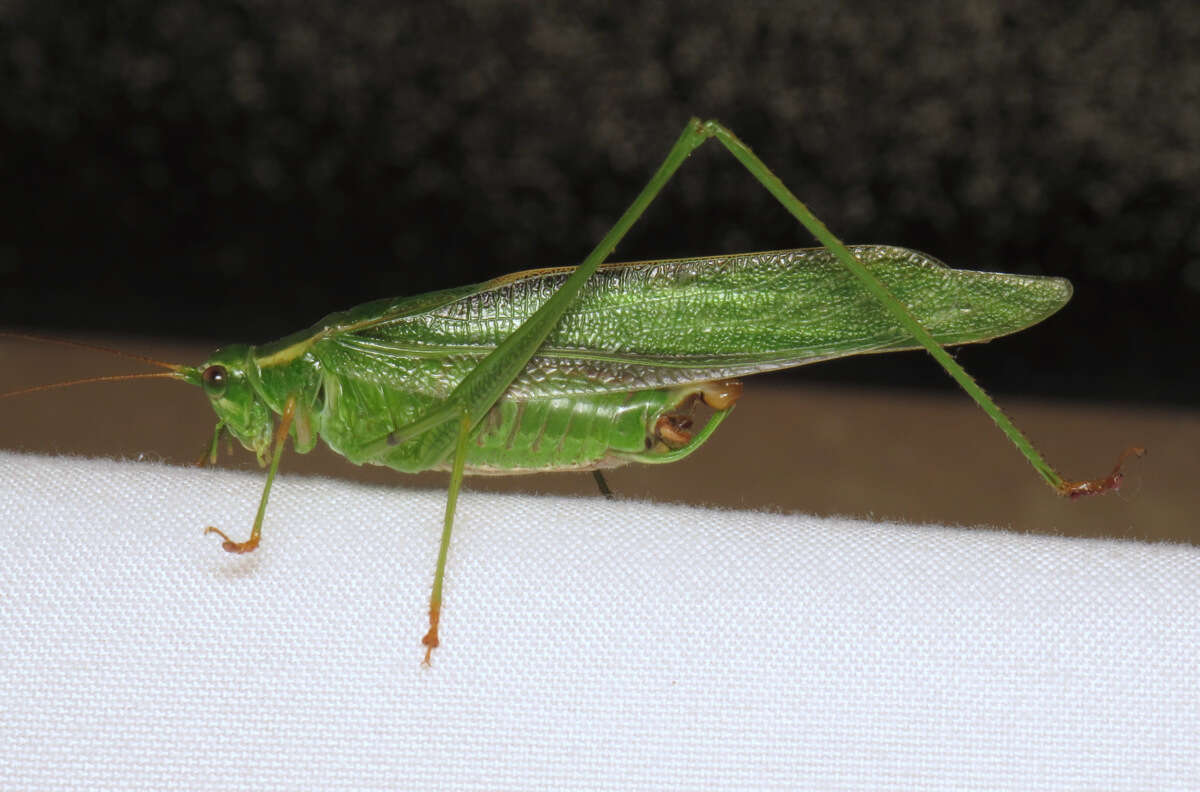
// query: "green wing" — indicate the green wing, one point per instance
point(663, 323)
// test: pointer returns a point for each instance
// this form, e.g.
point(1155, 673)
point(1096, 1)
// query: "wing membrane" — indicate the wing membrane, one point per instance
point(663, 323)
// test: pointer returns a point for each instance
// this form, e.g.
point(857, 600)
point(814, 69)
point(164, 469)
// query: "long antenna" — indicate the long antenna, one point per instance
point(94, 348)
point(174, 370)
point(86, 380)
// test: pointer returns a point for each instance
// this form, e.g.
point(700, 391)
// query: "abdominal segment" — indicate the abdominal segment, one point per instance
point(591, 433)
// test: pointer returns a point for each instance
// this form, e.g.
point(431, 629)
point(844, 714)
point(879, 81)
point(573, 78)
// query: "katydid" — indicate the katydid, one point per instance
point(599, 365)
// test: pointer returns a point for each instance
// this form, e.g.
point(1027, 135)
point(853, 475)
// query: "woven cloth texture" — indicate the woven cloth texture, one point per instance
point(586, 644)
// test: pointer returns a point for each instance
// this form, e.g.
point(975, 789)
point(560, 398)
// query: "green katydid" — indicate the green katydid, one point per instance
point(600, 365)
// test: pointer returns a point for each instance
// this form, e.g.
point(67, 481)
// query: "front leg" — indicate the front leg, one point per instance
point(281, 433)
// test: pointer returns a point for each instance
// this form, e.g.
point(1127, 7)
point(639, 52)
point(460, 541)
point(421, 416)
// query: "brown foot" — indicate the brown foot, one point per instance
point(230, 545)
point(1079, 489)
point(431, 638)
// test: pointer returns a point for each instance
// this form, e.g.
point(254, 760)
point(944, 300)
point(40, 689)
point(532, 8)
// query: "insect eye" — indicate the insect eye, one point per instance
point(215, 379)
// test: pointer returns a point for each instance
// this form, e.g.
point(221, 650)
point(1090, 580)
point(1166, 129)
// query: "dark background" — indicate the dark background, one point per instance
point(235, 170)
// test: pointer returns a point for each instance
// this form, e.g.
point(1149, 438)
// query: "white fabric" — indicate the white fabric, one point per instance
point(586, 644)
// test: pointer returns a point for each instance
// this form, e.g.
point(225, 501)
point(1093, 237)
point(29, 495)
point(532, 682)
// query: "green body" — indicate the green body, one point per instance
point(590, 367)
point(632, 346)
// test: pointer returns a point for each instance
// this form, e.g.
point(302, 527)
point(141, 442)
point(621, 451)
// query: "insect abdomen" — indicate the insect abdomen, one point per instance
point(564, 433)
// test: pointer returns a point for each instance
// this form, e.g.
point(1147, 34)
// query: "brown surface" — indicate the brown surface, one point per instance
point(886, 455)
